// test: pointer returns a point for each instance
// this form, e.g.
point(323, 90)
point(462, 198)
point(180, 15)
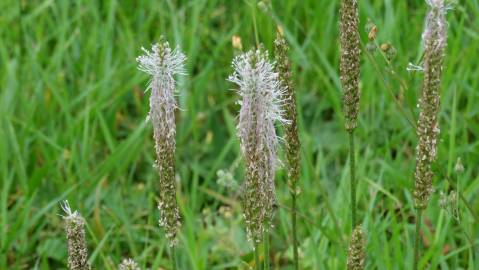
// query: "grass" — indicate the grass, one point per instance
point(72, 127)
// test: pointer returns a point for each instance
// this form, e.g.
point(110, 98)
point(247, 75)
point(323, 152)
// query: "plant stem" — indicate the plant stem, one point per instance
point(256, 258)
point(293, 219)
point(266, 247)
point(353, 178)
point(256, 36)
point(173, 257)
point(416, 240)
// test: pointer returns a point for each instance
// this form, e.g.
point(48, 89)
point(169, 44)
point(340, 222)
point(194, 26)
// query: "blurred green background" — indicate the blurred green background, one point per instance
point(73, 108)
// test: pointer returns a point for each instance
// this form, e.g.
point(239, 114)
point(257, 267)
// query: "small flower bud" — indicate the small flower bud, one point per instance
point(236, 41)
point(459, 167)
point(371, 47)
point(371, 30)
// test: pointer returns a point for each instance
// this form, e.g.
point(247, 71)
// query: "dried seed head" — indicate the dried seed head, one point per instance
point(162, 63)
point(357, 254)
point(292, 145)
point(75, 232)
point(434, 38)
point(261, 106)
point(349, 62)
point(128, 264)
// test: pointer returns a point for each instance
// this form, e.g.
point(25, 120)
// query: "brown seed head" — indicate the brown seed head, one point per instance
point(349, 62)
point(357, 254)
point(292, 143)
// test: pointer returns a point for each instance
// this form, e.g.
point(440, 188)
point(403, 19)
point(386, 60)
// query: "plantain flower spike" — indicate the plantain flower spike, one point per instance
point(434, 39)
point(128, 264)
point(349, 62)
point(75, 232)
point(292, 145)
point(162, 63)
point(261, 106)
point(356, 254)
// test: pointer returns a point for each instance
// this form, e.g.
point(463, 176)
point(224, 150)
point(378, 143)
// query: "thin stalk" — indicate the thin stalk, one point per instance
point(173, 257)
point(416, 241)
point(353, 179)
point(256, 258)
point(256, 35)
point(266, 247)
point(293, 219)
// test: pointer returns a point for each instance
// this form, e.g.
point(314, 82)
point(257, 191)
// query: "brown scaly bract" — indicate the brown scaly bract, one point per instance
point(162, 63)
point(75, 232)
point(434, 38)
point(356, 254)
point(349, 62)
point(292, 145)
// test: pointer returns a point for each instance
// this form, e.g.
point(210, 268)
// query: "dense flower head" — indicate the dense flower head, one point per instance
point(356, 254)
point(349, 61)
point(434, 39)
point(261, 106)
point(75, 232)
point(292, 143)
point(128, 264)
point(162, 63)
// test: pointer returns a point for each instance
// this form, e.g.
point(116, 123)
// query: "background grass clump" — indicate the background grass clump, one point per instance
point(72, 112)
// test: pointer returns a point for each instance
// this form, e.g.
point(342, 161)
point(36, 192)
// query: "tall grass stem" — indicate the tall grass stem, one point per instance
point(266, 247)
point(293, 219)
point(256, 258)
point(173, 258)
point(353, 178)
point(416, 238)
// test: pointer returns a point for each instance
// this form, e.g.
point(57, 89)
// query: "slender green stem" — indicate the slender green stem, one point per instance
point(353, 179)
point(293, 219)
point(417, 237)
point(266, 247)
point(256, 258)
point(173, 258)
point(256, 35)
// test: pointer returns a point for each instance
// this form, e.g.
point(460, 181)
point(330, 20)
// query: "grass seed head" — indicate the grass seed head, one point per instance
point(434, 39)
point(75, 232)
point(356, 254)
point(349, 61)
point(261, 105)
point(292, 143)
point(162, 63)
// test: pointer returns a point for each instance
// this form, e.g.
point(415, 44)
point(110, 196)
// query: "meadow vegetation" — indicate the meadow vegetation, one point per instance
point(72, 115)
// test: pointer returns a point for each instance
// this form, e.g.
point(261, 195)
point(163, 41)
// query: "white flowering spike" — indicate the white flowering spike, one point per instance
point(75, 232)
point(163, 63)
point(434, 39)
point(261, 107)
